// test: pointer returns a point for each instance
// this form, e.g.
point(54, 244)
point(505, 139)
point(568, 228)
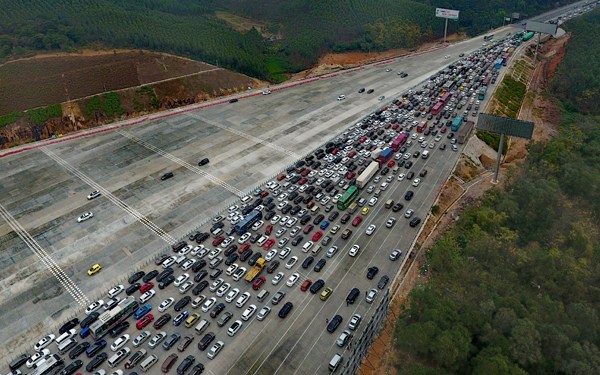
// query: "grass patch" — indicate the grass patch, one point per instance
point(35, 116)
point(275, 67)
point(10, 118)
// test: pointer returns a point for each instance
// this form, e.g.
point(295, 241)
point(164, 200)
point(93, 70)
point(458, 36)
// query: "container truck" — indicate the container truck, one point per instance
point(364, 178)
point(464, 131)
point(258, 267)
point(375, 153)
point(385, 156)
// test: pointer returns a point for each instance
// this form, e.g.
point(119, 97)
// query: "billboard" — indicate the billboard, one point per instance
point(446, 13)
point(506, 125)
point(541, 27)
point(516, 16)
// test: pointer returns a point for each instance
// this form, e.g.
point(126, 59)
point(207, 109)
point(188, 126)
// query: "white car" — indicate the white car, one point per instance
point(208, 304)
point(331, 252)
point(185, 250)
point(115, 290)
point(270, 255)
point(354, 321)
point(93, 194)
point(188, 264)
point(214, 253)
point(181, 279)
point(146, 296)
point(139, 340)
point(84, 217)
point(111, 303)
point(334, 229)
point(164, 305)
point(119, 343)
point(185, 287)
point(216, 348)
point(169, 262)
point(409, 213)
point(247, 314)
point(401, 176)
point(343, 338)
point(231, 269)
point(277, 278)
point(157, 339)
point(241, 301)
point(262, 314)
point(235, 327)
point(292, 279)
point(284, 252)
point(36, 357)
point(196, 250)
point(341, 97)
point(239, 273)
point(93, 307)
point(370, 229)
point(227, 241)
point(291, 262)
point(354, 250)
point(390, 222)
point(223, 289)
point(275, 219)
point(416, 182)
point(372, 201)
point(232, 294)
point(244, 237)
point(256, 226)
point(44, 342)
point(371, 295)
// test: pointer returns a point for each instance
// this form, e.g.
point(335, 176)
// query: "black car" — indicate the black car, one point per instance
point(166, 176)
point(246, 254)
point(160, 322)
point(254, 258)
point(254, 238)
point(200, 275)
point(352, 296)
point(217, 310)
point(193, 236)
point(182, 303)
point(166, 282)
point(334, 323)
point(307, 262)
point(197, 370)
point(295, 210)
point(297, 240)
point(70, 369)
point(198, 265)
point(316, 286)
point(215, 273)
point(234, 100)
point(150, 275)
point(231, 259)
point(410, 175)
point(18, 362)
point(384, 171)
point(371, 272)
point(345, 218)
point(297, 200)
point(203, 162)
point(397, 207)
point(414, 222)
point(158, 261)
point(272, 266)
point(118, 329)
point(206, 340)
point(200, 287)
point(285, 310)
point(133, 288)
point(96, 362)
point(136, 276)
point(96, 347)
point(409, 194)
point(167, 272)
point(408, 164)
point(360, 91)
point(230, 250)
point(319, 266)
point(305, 219)
point(89, 319)
point(68, 325)
point(318, 219)
point(76, 351)
point(202, 237)
point(185, 364)
point(333, 216)
point(267, 216)
point(383, 282)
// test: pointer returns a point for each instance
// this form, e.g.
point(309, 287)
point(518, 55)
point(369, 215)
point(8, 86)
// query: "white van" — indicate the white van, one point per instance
point(315, 209)
point(67, 335)
point(201, 327)
point(149, 362)
point(119, 356)
point(425, 154)
point(262, 240)
point(335, 362)
point(316, 250)
point(66, 345)
point(217, 232)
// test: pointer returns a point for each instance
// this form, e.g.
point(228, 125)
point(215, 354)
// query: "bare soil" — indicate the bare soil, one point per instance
point(469, 182)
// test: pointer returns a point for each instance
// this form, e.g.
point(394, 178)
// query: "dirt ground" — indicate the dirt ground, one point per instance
point(469, 182)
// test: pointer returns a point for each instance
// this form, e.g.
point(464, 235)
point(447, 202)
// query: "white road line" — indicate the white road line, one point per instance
point(185, 164)
point(246, 135)
point(60, 275)
point(119, 203)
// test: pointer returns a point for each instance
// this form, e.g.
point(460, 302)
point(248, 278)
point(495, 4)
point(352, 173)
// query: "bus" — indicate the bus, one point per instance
point(456, 123)
point(437, 108)
point(445, 98)
point(247, 223)
point(348, 197)
point(399, 141)
point(107, 320)
point(528, 36)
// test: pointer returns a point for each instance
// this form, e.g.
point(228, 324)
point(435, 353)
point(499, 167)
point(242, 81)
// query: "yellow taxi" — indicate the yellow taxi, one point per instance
point(365, 210)
point(326, 293)
point(95, 269)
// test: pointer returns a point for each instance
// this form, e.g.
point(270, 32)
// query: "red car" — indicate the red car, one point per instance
point(244, 247)
point(362, 139)
point(146, 319)
point(270, 242)
point(281, 177)
point(335, 151)
point(443, 130)
point(395, 126)
point(351, 175)
point(387, 126)
point(305, 172)
point(357, 220)
point(317, 235)
point(308, 229)
point(302, 181)
point(305, 285)
point(391, 163)
point(258, 283)
point(146, 287)
point(263, 194)
point(217, 241)
point(268, 229)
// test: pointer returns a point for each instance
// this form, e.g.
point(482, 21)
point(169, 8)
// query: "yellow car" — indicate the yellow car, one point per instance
point(365, 210)
point(192, 320)
point(326, 293)
point(95, 269)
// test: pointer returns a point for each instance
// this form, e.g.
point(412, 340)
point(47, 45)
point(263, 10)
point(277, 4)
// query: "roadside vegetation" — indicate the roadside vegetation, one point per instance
point(35, 116)
point(513, 286)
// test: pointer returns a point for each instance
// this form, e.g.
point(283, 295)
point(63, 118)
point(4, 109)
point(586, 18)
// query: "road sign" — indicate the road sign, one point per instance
point(446, 13)
point(516, 16)
point(541, 27)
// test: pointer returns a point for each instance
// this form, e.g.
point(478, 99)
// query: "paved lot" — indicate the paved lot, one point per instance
point(247, 143)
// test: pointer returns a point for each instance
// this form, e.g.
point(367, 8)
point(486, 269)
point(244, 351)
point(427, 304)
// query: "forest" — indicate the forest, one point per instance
point(190, 28)
point(514, 286)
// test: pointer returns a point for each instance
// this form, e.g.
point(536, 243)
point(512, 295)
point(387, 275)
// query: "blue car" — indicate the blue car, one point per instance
point(95, 348)
point(181, 318)
point(142, 311)
point(84, 332)
point(324, 224)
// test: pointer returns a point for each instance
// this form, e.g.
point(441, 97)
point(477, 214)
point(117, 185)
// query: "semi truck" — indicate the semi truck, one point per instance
point(375, 153)
point(256, 270)
point(363, 179)
point(385, 156)
point(464, 131)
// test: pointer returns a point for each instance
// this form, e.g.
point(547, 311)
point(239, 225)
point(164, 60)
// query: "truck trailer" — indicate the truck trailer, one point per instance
point(363, 179)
